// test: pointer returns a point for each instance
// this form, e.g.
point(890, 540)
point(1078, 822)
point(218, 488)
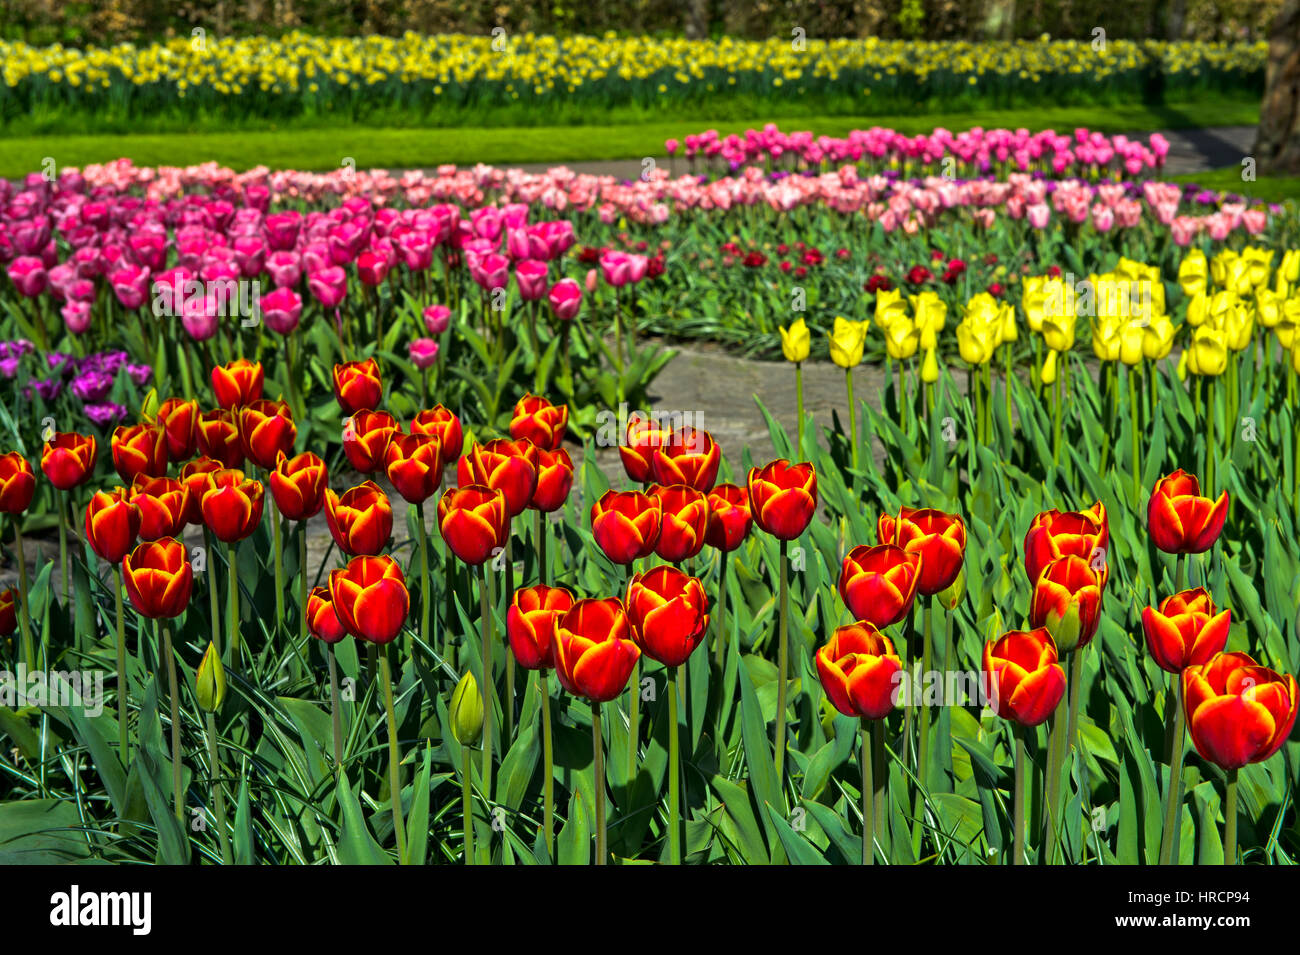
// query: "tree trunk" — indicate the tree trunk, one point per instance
point(1277, 146)
point(697, 20)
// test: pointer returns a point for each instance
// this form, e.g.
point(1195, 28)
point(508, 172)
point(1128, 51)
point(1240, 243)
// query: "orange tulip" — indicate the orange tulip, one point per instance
point(1083, 534)
point(1180, 520)
point(510, 466)
point(684, 518)
point(689, 456)
point(322, 622)
point(939, 538)
point(196, 475)
point(729, 517)
point(626, 525)
point(554, 480)
point(1067, 601)
point(878, 584)
point(643, 436)
point(783, 498)
point(669, 613)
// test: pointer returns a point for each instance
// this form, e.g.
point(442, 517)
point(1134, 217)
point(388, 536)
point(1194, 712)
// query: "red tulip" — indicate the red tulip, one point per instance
point(298, 485)
point(196, 475)
point(643, 436)
point(17, 483)
point(508, 466)
point(139, 449)
point(1180, 520)
point(357, 386)
point(322, 622)
point(1083, 534)
point(554, 480)
point(593, 652)
point(878, 584)
point(1238, 712)
point(238, 383)
point(444, 426)
point(860, 671)
point(1067, 601)
point(163, 503)
point(626, 525)
point(179, 420)
point(365, 439)
point(669, 613)
point(783, 498)
point(232, 505)
point(729, 517)
point(8, 612)
point(370, 598)
point(112, 524)
point(939, 538)
point(530, 624)
point(218, 432)
point(1185, 631)
point(414, 466)
point(158, 578)
point(540, 422)
point(473, 522)
point(683, 520)
point(68, 459)
point(266, 430)
point(360, 520)
point(689, 456)
point(1022, 680)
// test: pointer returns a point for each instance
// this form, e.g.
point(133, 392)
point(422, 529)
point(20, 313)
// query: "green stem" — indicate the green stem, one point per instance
point(485, 679)
point(598, 781)
point(173, 690)
point(1055, 746)
point(1018, 843)
point(1173, 794)
point(233, 571)
point(122, 687)
point(853, 420)
point(214, 597)
point(1209, 437)
point(783, 663)
point(868, 791)
point(63, 544)
point(466, 806)
point(539, 542)
point(394, 777)
point(273, 512)
point(218, 796)
point(426, 601)
point(1076, 691)
point(336, 713)
point(1135, 400)
point(509, 705)
point(302, 576)
point(923, 740)
point(548, 765)
point(674, 773)
point(1230, 821)
point(880, 776)
point(24, 615)
point(798, 400)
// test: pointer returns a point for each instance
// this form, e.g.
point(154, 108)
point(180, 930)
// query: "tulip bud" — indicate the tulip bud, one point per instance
point(210, 681)
point(466, 711)
point(955, 591)
point(1065, 628)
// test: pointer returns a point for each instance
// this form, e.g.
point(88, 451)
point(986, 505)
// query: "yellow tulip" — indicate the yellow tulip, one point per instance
point(1289, 268)
point(1268, 307)
point(847, 342)
point(1259, 263)
point(930, 314)
point(1158, 338)
point(1192, 273)
point(889, 305)
point(1049, 368)
point(902, 337)
point(930, 367)
point(976, 341)
point(1207, 354)
point(1008, 331)
point(1058, 332)
point(1220, 264)
point(1288, 323)
point(795, 341)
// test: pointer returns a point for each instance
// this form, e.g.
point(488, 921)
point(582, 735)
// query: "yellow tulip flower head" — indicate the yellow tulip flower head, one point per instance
point(902, 337)
point(1288, 323)
point(1193, 273)
point(930, 314)
point(1259, 265)
point(930, 367)
point(795, 341)
point(1207, 354)
point(1158, 338)
point(1289, 269)
point(889, 305)
point(847, 342)
point(1268, 306)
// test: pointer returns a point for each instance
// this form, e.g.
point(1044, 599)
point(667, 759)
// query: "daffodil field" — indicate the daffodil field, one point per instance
point(346, 521)
point(534, 80)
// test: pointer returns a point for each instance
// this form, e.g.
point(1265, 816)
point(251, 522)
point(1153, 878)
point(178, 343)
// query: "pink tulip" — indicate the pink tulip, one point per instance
point(76, 315)
point(423, 352)
point(531, 276)
point(28, 275)
point(565, 298)
point(328, 286)
point(285, 268)
point(281, 310)
point(437, 318)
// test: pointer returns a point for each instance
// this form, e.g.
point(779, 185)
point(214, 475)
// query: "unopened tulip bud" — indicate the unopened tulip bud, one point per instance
point(953, 595)
point(466, 711)
point(210, 681)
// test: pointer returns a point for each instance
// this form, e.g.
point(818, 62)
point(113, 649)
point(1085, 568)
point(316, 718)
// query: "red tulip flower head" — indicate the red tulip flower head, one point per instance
point(878, 584)
point(1179, 520)
point(594, 652)
point(669, 613)
point(860, 671)
point(1185, 631)
point(530, 624)
point(1238, 712)
point(939, 538)
point(783, 498)
point(1023, 682)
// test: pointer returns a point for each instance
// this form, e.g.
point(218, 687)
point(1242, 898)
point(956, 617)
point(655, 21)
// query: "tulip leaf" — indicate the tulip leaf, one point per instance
point(356, 845)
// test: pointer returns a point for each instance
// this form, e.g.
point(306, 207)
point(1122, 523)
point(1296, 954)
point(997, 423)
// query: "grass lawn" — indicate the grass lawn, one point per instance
point(323, 149)
point(1268, 188)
